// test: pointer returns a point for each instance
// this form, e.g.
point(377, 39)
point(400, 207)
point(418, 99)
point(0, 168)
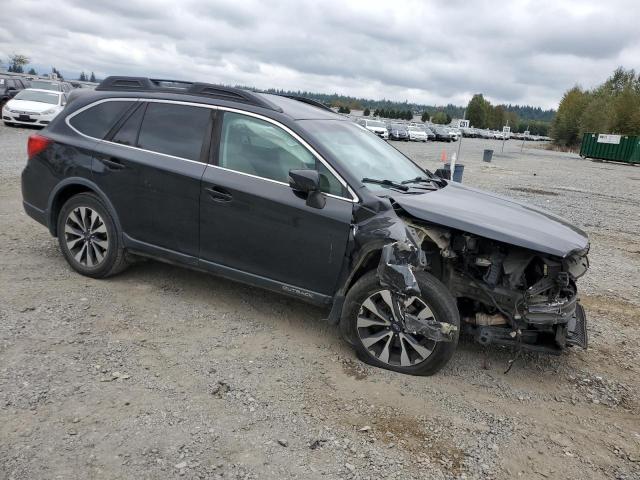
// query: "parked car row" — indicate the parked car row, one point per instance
point(34, 102)
point(418, 132)
point(423, 132)
point(497, 135)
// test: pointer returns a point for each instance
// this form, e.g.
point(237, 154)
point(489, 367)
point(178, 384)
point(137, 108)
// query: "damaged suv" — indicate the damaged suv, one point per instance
point(283, 194)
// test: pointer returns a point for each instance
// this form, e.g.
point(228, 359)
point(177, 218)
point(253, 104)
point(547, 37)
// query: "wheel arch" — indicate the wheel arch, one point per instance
point(68, 188)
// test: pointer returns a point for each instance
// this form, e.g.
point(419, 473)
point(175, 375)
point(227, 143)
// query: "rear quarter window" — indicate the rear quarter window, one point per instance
point(96, 121)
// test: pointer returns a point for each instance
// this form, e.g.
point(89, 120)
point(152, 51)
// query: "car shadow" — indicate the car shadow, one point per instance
point(280, 310)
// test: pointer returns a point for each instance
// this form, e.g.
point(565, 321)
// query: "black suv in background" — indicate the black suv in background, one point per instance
point(284, 194)
point(9, 87)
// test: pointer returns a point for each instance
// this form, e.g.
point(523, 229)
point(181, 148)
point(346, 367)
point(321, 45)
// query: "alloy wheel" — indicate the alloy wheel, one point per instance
point(383, 333)
point(86, 236)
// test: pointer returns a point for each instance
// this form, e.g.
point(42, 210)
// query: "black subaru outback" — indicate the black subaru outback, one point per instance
point(281, 193)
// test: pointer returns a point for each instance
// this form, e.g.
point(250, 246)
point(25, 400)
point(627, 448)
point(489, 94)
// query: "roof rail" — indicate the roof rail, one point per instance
point(144, 84)
point(308, 101)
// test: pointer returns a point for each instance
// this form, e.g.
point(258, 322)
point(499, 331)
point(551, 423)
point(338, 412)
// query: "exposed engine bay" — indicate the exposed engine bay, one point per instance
point(507, 294)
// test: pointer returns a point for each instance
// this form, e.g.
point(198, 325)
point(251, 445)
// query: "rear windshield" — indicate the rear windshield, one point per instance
point(371, 123)
point(42, 97)
point(45, 85)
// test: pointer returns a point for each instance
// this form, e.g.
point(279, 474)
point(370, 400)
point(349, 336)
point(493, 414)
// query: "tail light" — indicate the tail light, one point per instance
point(37, 144)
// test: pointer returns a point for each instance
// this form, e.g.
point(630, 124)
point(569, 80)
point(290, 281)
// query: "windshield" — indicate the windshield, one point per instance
point(372, 123)
point(45, 85)
point(416, 129)
point(361, 152)
point(43, 97)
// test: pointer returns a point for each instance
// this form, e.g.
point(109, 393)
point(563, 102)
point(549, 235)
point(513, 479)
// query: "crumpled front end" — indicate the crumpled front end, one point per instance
point(510, 295)
point(379, 233)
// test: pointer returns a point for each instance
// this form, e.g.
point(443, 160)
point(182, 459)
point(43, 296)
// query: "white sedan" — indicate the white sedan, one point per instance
point(418, 134)
point(33, 107)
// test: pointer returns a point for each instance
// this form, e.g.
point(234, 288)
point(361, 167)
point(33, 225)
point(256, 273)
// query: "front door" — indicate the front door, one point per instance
point(252, 221)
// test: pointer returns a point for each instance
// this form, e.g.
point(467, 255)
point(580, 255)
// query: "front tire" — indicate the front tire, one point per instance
point(89, 238)
point(367, 326)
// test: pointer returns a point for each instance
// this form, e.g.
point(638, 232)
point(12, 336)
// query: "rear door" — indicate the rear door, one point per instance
point(252, 221)
point(150, 166)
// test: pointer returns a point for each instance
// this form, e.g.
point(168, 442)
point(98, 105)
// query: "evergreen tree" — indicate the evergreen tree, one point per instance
point(441, 118)
point(366, 112)
point(425, 116)
point(55, 71)
point(92, 78)
point(477, 110)
point(565, 128)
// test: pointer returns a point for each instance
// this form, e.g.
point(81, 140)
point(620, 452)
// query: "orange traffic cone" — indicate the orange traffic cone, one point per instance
point(443, 156)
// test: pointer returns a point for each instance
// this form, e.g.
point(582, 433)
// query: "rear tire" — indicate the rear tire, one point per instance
point(89, 237)
point(434, 295)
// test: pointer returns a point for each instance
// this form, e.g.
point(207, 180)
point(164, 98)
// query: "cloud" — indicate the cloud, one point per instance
point(526, 52)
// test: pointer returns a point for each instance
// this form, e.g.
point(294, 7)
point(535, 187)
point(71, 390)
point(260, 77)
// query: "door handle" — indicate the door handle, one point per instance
point(112, 163)
point(218, 194)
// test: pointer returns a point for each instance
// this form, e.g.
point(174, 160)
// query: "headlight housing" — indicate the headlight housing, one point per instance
point(49, 112)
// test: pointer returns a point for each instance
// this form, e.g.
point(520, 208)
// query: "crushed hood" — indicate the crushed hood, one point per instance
point(496, 217)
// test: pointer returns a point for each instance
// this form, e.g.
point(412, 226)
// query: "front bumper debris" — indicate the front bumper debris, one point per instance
point(577, 328)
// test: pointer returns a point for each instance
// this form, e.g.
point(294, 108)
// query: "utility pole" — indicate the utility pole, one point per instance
point(504, 136)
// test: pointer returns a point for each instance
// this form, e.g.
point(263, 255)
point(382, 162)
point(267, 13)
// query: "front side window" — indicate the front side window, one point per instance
point(176, 130)
point(253, 146)
point(96, 121)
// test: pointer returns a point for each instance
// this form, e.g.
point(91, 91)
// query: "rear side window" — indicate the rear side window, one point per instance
point(98, 120)
point(177, 130)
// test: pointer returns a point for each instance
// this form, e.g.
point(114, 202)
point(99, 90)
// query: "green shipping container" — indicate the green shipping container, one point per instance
point(619, 148)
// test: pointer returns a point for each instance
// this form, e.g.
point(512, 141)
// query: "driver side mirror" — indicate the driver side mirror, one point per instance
point(307, 182)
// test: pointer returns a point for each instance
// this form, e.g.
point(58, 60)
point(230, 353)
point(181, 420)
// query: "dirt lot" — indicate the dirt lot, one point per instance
point(166, 373)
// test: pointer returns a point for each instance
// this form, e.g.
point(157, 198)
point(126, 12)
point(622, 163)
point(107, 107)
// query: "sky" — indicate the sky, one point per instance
point(519, 52)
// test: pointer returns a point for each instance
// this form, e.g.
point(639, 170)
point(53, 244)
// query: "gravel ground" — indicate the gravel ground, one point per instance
point(163, 373)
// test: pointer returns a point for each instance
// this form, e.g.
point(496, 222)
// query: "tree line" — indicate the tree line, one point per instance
point(482, 114)
point(612, 107)
point(391, 113)
point(523, 112)
point(17, 63)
